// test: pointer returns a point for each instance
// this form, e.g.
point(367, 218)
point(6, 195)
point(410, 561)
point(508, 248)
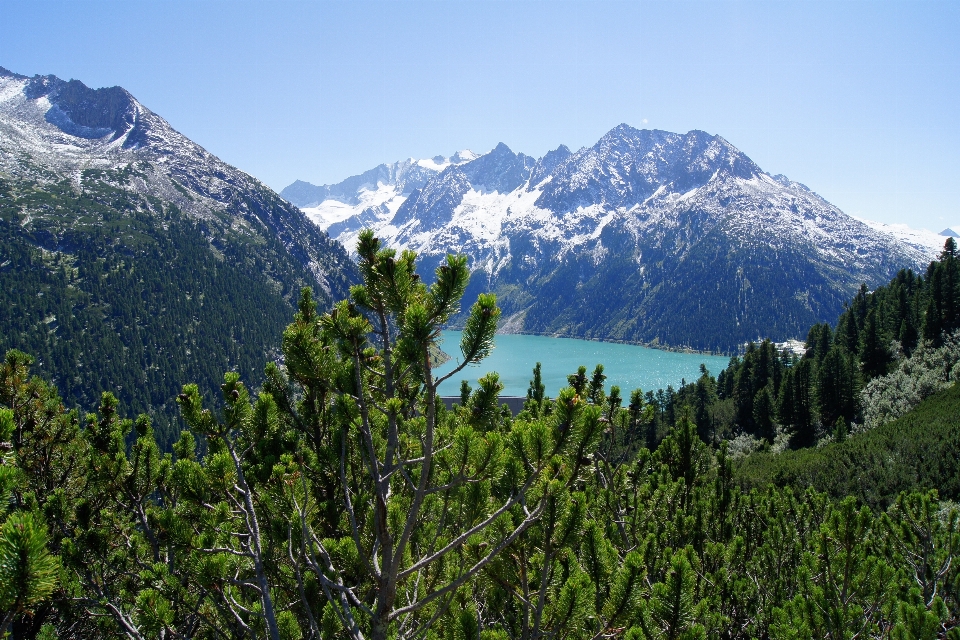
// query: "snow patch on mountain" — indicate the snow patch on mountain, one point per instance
point(331, 211)
point(645, 183)
point(360, 191)
point(923, 240)
point(51, 130)
point(671, 221)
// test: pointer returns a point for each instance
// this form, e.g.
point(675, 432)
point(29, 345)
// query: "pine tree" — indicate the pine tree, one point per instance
point(840, 430)
point(672, 605)
point(537, 390)
point(836, 387)
point(28, 571)
point(483, 408)
point(613, 402)
point(595, 391)
point(797, 404)
point(367, 387)
point(950, 285)
point(705, 397)
point(874, 353)
point(744, 393)
point(763, 414)
point(578, 381)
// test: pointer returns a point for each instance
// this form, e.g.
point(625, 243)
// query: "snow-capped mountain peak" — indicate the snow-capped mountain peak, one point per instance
point(668, 214)
point(53, 130)
point(372, 194)
point(464, 155)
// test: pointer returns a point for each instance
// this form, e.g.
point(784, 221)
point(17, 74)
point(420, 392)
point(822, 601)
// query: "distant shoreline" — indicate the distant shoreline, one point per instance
point(648, 345)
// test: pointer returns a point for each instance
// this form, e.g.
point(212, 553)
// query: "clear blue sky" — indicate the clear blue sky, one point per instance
point(858, 100)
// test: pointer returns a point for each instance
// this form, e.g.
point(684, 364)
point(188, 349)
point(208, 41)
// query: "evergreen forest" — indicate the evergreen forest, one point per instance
point(791, 496)
point(890, 349)
point(113, 290)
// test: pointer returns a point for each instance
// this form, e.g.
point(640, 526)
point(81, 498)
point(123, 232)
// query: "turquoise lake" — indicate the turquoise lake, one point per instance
point(628, 366)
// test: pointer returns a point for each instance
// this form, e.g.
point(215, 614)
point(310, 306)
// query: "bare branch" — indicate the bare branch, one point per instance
point(456, 584)
point(459, 540)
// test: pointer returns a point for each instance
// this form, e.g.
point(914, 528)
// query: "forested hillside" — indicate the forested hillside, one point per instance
point(133, 260)
point(889, 349)
point(922, 448)
point(344, 501)
point(114, 290)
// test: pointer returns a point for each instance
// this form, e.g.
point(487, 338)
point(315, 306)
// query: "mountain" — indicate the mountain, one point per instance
point(133, 259)
point(647, 236)
point(373, 196)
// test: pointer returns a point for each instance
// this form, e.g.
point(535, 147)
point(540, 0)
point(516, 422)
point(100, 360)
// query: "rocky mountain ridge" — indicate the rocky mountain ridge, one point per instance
point(611, 241)
point(132, 256)
point(51, 129)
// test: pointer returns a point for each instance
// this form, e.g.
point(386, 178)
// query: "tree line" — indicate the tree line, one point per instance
point(767, 392)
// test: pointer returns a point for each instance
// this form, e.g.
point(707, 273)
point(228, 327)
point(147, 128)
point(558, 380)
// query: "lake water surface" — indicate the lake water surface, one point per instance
point(628, 366)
